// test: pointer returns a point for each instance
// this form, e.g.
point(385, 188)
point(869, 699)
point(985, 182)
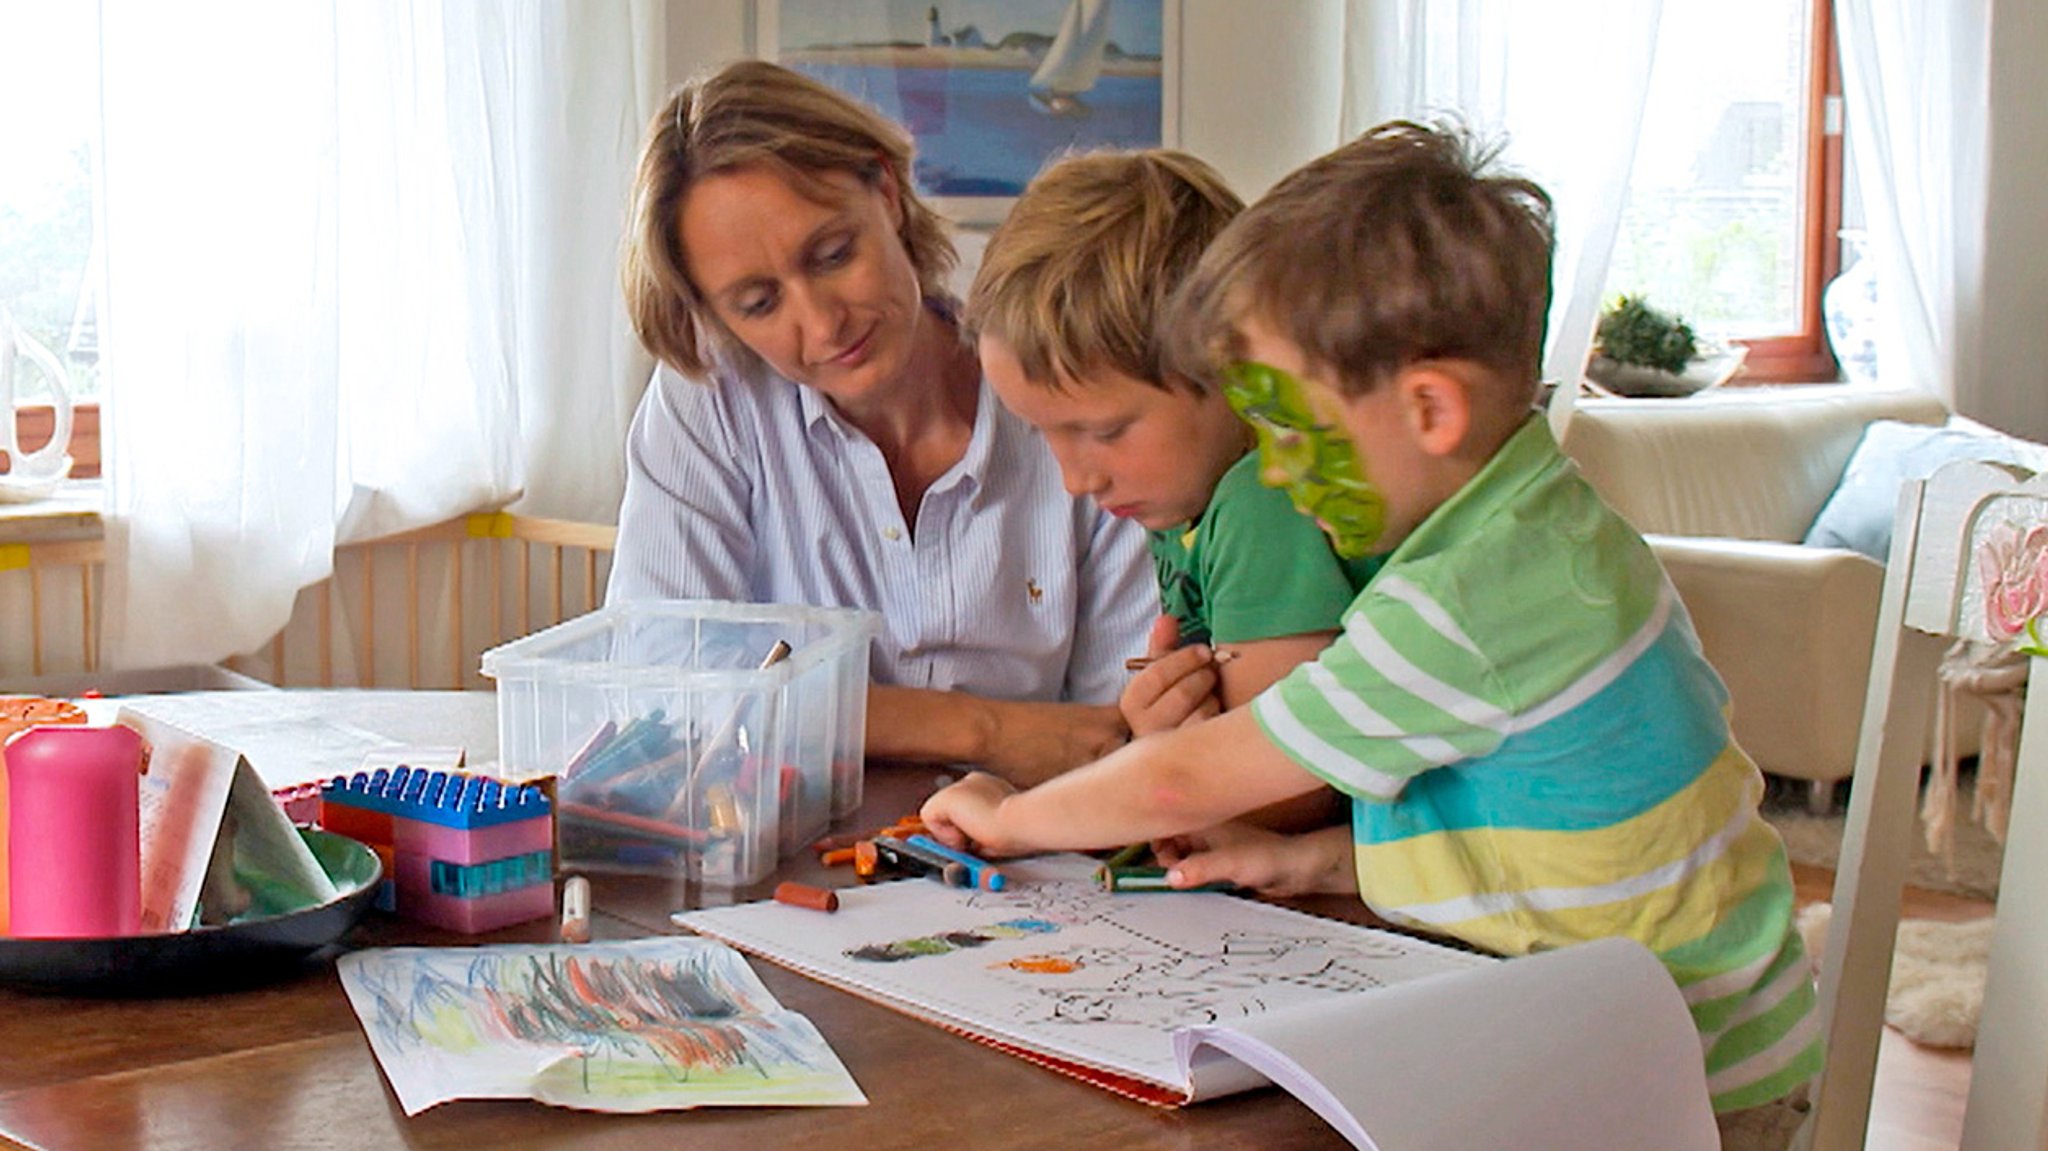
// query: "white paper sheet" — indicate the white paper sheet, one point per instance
point(1586, 1049)
point(1056, 965)
point(184, 797)
point(295, 737)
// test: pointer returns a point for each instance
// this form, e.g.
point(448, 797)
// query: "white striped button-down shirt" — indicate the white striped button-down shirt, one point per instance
point(1007, 587)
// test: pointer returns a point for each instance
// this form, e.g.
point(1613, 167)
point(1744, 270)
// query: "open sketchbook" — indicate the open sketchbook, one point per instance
point(1179, 998)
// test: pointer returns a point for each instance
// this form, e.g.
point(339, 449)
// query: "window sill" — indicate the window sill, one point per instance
point(71, 513)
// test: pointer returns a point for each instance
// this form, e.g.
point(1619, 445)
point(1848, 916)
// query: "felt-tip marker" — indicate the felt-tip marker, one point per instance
point(1139, 879)
point(980, 872)
point(898, 855)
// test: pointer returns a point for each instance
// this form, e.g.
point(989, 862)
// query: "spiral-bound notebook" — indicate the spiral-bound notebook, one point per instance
point(1178, 998)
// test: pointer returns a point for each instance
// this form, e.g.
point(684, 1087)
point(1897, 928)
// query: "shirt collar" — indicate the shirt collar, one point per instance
point(1527, 458)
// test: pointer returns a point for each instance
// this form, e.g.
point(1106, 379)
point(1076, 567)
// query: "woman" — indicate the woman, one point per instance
point(818, 431)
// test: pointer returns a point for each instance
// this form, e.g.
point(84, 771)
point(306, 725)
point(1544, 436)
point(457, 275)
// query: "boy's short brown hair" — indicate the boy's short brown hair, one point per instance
point(746, 114)
point(1078, 275)
point(1395, 248)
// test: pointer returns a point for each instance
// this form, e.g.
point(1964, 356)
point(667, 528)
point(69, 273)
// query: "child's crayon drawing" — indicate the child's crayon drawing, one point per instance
point(652, 1024)
point(1054, 963)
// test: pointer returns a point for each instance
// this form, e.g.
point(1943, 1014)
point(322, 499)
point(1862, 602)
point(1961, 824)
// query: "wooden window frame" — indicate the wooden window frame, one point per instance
point(33, 424)
point(1803, 355)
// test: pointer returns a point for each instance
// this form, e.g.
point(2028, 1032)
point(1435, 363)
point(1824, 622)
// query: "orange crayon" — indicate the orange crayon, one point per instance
point(804, 895)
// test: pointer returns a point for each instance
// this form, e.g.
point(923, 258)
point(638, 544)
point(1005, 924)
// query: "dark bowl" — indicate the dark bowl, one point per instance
point(204, 959)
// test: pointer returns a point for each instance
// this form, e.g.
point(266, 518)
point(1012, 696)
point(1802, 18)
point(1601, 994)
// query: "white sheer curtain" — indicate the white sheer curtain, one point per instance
point(360, 277)
point(1560, 83)
point(1918, 108)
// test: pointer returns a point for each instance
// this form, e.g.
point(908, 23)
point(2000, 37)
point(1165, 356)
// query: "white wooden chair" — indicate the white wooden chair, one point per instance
point(1935, 593)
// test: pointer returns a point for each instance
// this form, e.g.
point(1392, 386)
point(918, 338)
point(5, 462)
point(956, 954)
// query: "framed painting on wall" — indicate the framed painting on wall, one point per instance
point(991, 89)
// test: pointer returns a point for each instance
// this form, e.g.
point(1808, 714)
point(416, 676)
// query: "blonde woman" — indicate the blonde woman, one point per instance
point(818, 431)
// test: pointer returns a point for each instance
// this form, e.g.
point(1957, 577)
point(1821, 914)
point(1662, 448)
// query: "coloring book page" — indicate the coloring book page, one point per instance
point(647, 1025)
point(1055, 966)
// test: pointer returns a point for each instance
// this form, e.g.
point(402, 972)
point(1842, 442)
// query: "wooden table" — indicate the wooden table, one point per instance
point(286, 1065)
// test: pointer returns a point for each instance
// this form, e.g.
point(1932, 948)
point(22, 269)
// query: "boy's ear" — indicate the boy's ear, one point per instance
point(1437, 403)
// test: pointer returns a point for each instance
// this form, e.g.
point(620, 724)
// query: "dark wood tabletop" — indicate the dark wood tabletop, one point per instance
point(286, 1065)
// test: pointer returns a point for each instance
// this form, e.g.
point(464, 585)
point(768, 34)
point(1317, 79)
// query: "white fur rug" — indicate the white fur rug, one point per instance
point(1937, 988)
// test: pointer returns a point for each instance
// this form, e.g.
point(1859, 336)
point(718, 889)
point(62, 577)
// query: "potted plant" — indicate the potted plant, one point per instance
point(1642, 350)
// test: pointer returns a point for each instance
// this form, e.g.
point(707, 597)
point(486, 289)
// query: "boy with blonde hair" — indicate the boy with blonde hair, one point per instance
point(1536, 750)
point(1067, 305)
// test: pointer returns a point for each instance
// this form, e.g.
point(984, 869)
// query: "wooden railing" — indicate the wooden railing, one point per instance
point(415, 610)
point(51, 592)
point(412, 610)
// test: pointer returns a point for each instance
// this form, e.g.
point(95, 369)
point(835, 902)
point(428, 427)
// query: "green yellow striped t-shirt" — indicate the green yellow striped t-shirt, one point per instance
point(1539, 755)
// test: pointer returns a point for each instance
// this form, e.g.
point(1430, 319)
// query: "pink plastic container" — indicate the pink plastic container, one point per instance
point(73, 835)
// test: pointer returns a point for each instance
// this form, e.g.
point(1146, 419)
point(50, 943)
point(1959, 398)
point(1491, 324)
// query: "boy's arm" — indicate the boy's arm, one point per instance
point(1167, 784)
point(1258, 664)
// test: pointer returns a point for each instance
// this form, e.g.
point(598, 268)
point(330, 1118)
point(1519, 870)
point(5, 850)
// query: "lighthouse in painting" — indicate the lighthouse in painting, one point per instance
point(1074, 60)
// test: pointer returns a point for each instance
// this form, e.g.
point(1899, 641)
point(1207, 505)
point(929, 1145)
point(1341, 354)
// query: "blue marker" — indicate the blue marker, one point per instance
point(980, 872)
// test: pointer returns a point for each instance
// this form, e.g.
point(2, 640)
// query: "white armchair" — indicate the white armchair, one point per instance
point(1725, 485)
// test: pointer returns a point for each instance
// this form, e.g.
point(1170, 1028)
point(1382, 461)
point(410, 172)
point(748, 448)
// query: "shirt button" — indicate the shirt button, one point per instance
point(892, 534)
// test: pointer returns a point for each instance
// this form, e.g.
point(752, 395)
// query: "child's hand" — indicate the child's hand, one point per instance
point(965, 814)
point(1177, 686)
point(1175, 689)
point(1315, 862)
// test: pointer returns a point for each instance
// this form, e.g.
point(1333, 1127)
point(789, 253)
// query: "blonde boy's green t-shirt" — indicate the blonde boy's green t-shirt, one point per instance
point(1252, 567)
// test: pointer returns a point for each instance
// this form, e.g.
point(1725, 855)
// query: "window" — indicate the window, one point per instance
point(49, 114)
point(1735, 199)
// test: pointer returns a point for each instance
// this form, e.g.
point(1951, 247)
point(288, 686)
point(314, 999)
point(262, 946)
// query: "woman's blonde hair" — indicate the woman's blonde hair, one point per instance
point(742, 115)
point(1078, 275)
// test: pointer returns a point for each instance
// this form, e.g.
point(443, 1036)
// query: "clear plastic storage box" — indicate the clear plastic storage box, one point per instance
point(685, 742)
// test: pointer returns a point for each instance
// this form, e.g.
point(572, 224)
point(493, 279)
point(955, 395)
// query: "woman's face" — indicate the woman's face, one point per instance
point(825, 293)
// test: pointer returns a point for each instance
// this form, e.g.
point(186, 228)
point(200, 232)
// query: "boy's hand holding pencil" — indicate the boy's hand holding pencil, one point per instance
point(1174, 685)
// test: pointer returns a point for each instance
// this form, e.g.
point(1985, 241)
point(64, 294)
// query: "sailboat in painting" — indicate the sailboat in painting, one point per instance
point(1074, 61)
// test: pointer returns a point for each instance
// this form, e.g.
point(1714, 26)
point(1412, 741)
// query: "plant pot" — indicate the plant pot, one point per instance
point(1708, 370)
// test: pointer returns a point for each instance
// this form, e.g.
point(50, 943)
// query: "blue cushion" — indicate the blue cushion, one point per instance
point(1859, 514)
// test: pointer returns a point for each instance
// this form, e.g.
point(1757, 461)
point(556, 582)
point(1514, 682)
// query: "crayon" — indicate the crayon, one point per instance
point(1143, 879)
point(866, 860)
point(626, 823)
point(898, 855)
point(722, 809)
point(804, 895)
point(980, 872)
point(1127, 856)
point(576, 910)
point(591, 747)
point(908, 825)
point(836, 856)
point(1141, 662)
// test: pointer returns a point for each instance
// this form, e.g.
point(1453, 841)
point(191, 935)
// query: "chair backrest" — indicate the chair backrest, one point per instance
point(1961, 541)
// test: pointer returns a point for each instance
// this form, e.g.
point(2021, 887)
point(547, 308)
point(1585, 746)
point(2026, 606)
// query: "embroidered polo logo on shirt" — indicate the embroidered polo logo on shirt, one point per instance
point(1033, 592)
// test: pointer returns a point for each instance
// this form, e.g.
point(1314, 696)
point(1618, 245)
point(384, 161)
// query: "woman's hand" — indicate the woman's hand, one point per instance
point(1312, 863)
point(966, 814)
point(1030, 743)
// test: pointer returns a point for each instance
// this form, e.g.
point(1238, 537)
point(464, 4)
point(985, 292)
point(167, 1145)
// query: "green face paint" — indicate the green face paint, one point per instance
point(1313, 462)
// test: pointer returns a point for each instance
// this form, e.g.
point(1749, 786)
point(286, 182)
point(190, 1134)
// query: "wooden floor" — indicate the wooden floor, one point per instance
point(1920, 1092)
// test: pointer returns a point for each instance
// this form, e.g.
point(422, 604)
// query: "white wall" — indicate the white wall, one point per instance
point(2009, 390)
point(1259, 85)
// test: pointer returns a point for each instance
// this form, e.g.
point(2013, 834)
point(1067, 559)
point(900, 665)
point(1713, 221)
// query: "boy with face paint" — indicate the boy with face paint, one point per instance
point(1536, 751)
point(1066, 307)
